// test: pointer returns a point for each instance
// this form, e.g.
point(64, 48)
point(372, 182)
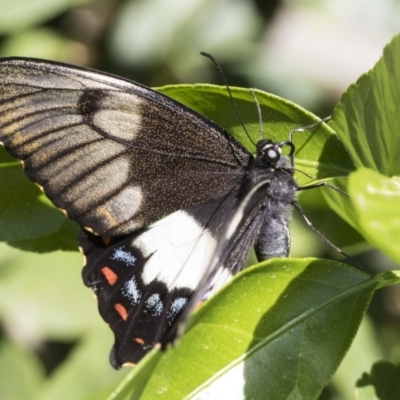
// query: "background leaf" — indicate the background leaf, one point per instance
point(282, 319)
point(279, 46)
point(373, 208)
point(28, 220)
point(21, 373)
point(84, 375)
point(318, 151)
point(366, 119)
point(34, 289)
point(18, 14)
point(367, 116)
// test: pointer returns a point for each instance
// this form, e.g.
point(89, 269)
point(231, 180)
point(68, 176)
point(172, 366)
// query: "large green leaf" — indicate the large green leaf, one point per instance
point(28, 221)
point(367, 117)
point(318, 151)
point(278, 331)
point(367, 121)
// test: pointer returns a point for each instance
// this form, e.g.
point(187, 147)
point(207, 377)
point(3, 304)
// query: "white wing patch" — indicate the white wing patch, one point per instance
point(179, 251)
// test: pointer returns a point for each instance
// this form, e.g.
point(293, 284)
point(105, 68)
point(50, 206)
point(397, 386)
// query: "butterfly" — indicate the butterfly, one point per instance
point(169, 204)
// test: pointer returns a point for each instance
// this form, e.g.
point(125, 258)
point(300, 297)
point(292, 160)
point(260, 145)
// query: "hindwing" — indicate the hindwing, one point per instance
point(144, 281)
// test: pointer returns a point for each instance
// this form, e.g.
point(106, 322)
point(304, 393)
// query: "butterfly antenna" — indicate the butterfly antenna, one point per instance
point(320, 184)
point(260, 120)
point(308, 127)
point(302, 129)
point(221, 72)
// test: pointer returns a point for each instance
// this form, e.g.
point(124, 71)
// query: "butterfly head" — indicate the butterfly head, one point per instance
point(270, 152)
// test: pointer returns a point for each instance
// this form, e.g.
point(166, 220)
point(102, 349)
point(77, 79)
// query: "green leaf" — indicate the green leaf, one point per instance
point(367, 121)
point(318, 151)
point(282, 320)
point(140, 375)
point(367, 117)
point(28, 220)
point(42, 295)
point(373, 208)
point(381, 383)
point(328, 223)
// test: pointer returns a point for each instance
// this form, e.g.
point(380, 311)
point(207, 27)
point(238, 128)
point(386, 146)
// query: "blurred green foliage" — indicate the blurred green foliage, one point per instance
point(53, 344)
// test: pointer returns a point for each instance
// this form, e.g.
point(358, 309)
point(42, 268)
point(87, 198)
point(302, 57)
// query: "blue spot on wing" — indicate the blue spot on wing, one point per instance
point(131, 291)
point(125, 256)
point(176, 307)
point(155, 305)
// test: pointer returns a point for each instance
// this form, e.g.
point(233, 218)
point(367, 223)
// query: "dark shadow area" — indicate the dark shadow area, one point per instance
point(383, 379)
point(52, 354)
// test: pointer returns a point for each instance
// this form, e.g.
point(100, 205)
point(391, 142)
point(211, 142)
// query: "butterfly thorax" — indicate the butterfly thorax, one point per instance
point(273, 238)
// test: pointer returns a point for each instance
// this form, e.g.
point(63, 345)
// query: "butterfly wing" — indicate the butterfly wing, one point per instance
point(154, 180)
point(144, 281)
point(116, 156)
point(148, 284)
point(129, 164)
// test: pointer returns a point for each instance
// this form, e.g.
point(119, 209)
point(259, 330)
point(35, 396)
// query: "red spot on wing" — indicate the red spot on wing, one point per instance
point(139, 341)
point(110, 275)
point(121, 310)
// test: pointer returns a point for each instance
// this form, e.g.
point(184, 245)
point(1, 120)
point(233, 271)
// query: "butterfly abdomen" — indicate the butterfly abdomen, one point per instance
point(273, 238)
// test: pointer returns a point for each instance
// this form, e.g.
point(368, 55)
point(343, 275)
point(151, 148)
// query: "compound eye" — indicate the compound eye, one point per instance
point(272, 155)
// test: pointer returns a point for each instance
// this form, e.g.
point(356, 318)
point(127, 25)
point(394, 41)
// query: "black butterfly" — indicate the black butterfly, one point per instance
point(169, 203)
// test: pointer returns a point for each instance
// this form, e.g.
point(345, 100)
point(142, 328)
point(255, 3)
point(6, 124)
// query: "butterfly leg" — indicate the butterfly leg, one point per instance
point(324, 239)
point(321, 184)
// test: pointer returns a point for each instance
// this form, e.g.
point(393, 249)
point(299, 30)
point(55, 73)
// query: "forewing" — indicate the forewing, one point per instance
point(116, 156)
